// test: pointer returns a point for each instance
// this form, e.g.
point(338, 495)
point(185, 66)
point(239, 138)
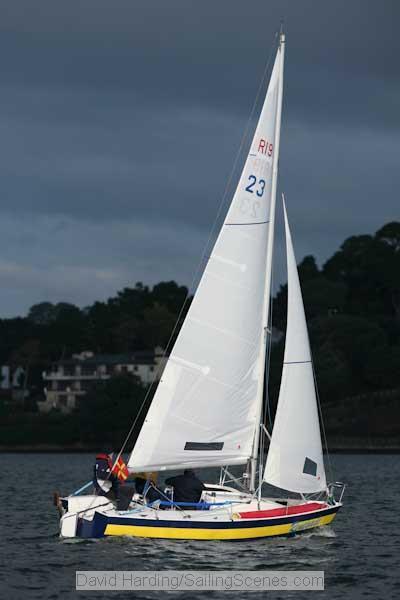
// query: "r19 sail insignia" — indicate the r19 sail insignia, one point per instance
point(204, 445)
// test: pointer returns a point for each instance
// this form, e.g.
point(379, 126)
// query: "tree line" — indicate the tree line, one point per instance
point(352, 305)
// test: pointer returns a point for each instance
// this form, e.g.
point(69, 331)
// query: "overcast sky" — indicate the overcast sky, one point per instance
point(120, 122)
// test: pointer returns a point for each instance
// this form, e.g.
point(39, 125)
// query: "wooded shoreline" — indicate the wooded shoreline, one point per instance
point(343, 446)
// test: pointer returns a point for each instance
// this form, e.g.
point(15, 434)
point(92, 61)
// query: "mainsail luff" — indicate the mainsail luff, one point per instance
point(268, 271)
point(205, 409)
point(295, 459)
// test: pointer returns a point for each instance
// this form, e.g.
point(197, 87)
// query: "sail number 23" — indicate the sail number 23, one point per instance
point(255, 186)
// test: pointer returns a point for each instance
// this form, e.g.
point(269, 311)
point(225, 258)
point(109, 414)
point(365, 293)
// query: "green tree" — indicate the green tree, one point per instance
point(107, 411)
point(43, 313)
point(343, 345)
point(369, 266)
point(68, 332)
point(390, 234)
point(171, 295)
point(381, 369)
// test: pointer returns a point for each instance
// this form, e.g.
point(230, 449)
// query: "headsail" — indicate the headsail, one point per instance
point(205, 412)
point(295, 460)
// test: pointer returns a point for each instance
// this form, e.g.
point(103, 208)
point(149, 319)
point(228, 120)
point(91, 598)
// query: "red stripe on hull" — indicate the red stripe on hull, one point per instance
point(282, 512)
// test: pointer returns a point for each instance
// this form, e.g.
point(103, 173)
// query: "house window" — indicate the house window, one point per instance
point(88, 371)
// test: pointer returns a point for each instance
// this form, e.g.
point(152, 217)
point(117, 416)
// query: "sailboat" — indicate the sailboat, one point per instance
point(207, 410)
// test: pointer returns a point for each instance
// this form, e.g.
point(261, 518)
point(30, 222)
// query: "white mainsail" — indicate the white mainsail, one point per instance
point(295, 459)
point(206, 408)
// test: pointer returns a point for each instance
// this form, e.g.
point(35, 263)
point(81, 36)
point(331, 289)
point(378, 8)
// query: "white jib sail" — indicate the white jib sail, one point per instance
point(295, 460)
point(204, 411)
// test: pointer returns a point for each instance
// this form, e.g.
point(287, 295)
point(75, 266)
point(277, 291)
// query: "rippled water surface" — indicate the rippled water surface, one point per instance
point(359, 553)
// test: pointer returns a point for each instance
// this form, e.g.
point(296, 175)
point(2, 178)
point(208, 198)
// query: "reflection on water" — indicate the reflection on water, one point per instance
point(359, 552)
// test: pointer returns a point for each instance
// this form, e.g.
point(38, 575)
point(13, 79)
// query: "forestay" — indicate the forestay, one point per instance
point(295, 460)
point(204, 411)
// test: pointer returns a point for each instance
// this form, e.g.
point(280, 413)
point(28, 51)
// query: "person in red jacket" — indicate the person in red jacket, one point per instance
point(107, 484)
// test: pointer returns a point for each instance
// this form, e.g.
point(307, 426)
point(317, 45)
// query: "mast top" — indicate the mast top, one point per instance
point(281, 34)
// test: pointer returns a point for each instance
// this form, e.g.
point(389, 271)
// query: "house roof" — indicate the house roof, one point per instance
point(145, 357)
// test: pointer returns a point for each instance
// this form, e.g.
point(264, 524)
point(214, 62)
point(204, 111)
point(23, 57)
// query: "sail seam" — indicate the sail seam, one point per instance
point(243, 288)
point(221, 330)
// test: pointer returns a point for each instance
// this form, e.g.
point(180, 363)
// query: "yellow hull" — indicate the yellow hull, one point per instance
point(188, 533)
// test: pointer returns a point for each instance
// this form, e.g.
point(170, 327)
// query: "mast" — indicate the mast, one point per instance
point(268, 270)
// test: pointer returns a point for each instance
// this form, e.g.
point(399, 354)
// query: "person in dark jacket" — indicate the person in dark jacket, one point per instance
point(187, 487)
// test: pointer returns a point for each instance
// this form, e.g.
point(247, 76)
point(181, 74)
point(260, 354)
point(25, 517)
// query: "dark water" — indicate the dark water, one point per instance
point(359, 553)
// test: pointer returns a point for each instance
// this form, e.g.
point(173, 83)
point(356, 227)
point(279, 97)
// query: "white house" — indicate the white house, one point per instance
point(69, 380)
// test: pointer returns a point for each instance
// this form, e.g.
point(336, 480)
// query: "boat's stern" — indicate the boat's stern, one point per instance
point(75, 509)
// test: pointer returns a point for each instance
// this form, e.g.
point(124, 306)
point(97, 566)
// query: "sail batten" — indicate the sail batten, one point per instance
point(211, 381)
point(295, 460)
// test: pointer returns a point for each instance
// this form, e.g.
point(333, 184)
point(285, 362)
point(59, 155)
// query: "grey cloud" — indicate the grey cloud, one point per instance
point(120, 124)
point(81, 263)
